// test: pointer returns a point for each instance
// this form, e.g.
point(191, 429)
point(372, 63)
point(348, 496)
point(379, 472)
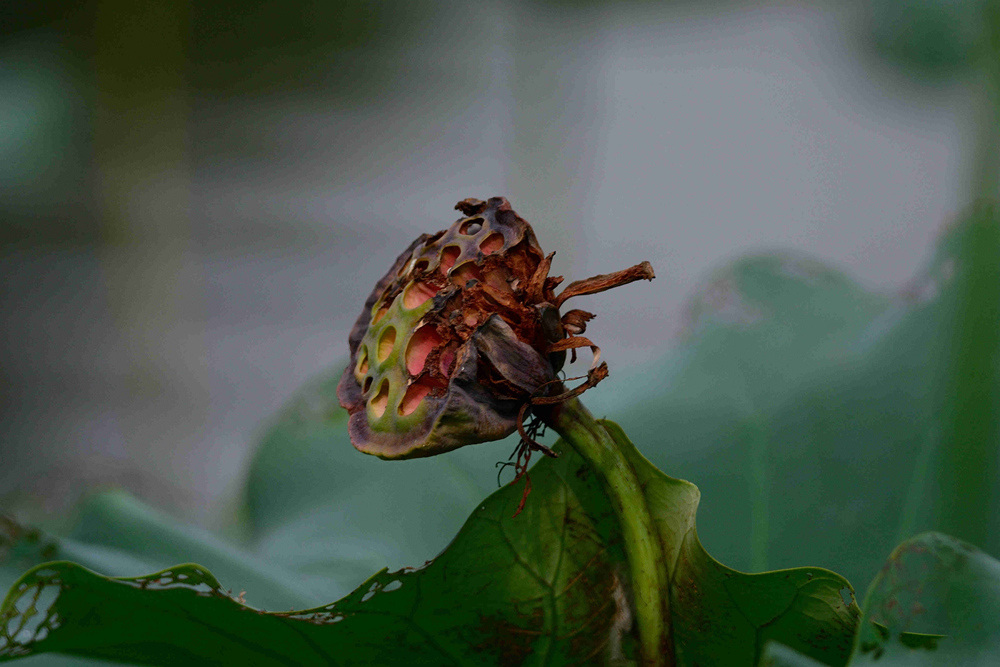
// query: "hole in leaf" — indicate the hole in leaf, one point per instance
point(393, 585)
point(381, 400)
point(417, 295)
point(492, 243)
point(22, 604)
point(416, 393)
point(423, 342)
point(470, 227)
point(386, 342)
point(46, 598)
point(448, 257)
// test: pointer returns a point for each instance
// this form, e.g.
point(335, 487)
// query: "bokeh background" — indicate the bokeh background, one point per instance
point(195, 198)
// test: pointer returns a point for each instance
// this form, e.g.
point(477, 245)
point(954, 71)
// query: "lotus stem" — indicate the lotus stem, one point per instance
point(574, 423)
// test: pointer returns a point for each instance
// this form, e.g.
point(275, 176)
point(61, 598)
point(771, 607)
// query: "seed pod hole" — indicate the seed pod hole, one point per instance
point(421, 266)
point(492, 243)
point(434, 237)
point(403, 269)
point(380, 400)
point(448, 257)
point(416, 393)
point(471, 227)
point(382, 310)
point(368, 384)
point(465, 273)
point(423, 342)
point(362, 362)
point(385, 343)
point(417, 295)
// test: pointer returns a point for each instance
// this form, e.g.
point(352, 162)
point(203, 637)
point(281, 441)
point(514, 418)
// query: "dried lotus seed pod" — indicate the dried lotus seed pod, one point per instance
point(457, 337)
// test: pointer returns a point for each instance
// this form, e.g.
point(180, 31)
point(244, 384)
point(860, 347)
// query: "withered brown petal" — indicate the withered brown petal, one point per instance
point(516, 361)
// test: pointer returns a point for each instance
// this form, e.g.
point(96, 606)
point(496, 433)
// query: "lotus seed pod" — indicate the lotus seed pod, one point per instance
point(458, 336)
point(446, 348)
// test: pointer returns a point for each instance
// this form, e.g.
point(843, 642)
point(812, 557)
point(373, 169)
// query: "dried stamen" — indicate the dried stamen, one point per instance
point(600, 283)
point(593, 377)
point(522, 453)
point(575, 321)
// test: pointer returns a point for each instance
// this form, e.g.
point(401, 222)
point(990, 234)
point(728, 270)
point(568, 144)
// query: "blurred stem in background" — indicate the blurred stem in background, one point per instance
point(143, 172)
point(986, 178)
point(971, 410)
point(141, 151)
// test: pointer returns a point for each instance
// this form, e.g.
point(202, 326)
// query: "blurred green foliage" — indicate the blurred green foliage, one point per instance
point(931, 39)
point(818, 413)
point(125, 82)
point(223, 46)
point(935, 602)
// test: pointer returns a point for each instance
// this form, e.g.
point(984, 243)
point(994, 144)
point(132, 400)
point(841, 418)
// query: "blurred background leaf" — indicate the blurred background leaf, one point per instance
point(928, 39)
point(935, 602)
point(808, 408)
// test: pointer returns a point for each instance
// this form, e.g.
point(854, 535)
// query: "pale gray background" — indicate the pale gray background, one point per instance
point(248, 229)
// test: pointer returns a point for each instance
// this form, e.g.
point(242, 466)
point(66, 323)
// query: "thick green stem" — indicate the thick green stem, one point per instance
point(642, 546)
point(970, 416)
point(986, 169)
